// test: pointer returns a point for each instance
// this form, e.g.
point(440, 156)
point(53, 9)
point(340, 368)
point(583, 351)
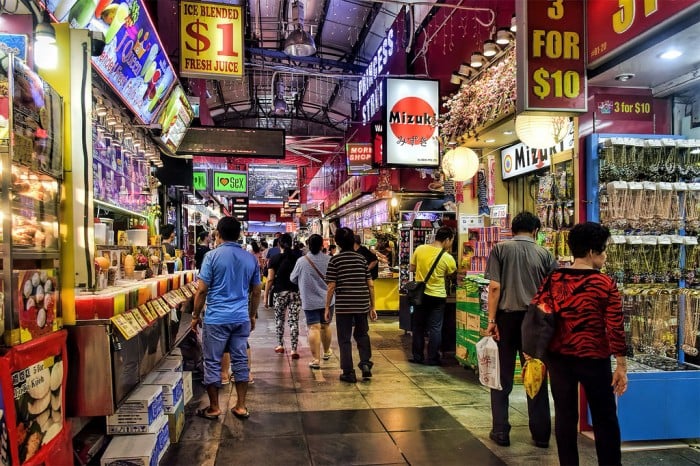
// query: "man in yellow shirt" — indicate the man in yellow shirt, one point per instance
point(429, 315)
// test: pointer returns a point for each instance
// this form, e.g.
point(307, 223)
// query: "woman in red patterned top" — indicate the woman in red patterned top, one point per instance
point(589, 330)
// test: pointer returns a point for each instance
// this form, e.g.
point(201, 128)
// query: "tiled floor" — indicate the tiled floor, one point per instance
point(406, 414)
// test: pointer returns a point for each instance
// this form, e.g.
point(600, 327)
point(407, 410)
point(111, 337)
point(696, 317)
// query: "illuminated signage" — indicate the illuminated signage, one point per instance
point(199, 181)
point(14, 43)
point(411, 122)
point(211, 40)
point(371, 85)
point(624, 107)
point(520, 159)
point(133, 61)
point(174, 119)
point(360, 157)
point(551, 63)
point(230, 182)
point(622, 24)
point(270, 184)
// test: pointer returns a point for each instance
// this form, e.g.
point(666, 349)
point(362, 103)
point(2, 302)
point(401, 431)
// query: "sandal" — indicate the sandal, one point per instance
point(327, 355)
point(279, 349)
point(295, 355)
point(315, 364)
point(243, 415)
point(204, 413)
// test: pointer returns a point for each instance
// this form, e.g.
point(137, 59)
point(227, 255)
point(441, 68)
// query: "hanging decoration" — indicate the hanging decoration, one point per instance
point(460, 164)
point(540, 131)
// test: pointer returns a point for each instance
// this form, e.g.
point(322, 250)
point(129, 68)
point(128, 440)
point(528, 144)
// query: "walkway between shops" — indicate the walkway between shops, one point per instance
point(406, 414)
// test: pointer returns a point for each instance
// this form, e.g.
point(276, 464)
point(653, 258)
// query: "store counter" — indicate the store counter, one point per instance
point(386, 294)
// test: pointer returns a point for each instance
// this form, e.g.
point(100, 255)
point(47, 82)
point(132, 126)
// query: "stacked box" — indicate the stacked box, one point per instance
point(144, 450)
point(187, 388)
point(171, 384)
point(139, 413)
point(176, 422)
point(170, 364)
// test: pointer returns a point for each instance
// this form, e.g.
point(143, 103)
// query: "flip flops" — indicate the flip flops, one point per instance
point(315, 364)
point(202, 412)
point(244, 415)
point(327, 355)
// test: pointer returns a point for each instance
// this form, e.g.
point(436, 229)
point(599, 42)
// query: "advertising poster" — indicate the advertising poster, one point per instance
point(133, 61)
point(174, 119)
point(270, 184)
point(412, 111)
point(38, 306)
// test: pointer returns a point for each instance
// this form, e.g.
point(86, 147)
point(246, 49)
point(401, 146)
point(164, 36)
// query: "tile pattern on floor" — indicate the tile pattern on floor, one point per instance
point(406, 414)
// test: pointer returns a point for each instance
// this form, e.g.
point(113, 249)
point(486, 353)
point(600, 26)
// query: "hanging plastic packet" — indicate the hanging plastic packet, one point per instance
point(534, 372)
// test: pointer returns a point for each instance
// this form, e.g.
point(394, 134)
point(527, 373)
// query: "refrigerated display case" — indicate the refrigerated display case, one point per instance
point(30, 178)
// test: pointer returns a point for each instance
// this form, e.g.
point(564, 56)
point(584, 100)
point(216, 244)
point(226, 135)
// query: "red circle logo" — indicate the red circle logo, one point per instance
point(412, 120)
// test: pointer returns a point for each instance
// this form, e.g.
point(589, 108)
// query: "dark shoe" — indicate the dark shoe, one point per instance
point(366, 371)
point(434, 363)
point(415, 361)
point(349, 378)
point(539, 444)
point(500, 438)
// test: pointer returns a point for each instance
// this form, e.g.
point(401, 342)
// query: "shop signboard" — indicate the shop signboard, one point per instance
point(230, 182)
point(211, 40)
point(14, 43)
point(239, 208)
point(624, 107)
point(133, 62)
point(551, 61)
point(200, 180)
point(520, 159)
point(270, 184)
point(411, 117)
point(359, 157)
point(623, 24)
point(174, 119)
point(349, 190)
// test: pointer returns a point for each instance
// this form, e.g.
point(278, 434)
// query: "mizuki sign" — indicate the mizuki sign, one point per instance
point(550, 56)
point(411, 122)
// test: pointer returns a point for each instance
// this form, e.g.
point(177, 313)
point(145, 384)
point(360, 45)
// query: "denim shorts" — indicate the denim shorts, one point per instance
point(317, 316)
point(221, 338)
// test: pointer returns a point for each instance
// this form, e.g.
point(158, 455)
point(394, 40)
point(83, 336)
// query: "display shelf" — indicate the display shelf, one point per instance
point(113, 208)
point(28, 254)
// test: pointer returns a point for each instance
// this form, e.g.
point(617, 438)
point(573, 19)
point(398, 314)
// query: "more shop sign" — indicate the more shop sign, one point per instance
point(360, 158)
point(520, 159)
point(551, 61)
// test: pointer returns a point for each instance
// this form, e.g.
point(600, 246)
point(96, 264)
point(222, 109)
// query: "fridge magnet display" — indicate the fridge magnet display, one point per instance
point(37, 302)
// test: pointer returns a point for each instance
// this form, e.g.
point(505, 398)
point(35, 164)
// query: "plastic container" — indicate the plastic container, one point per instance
point(100, 233)
point(137, 237)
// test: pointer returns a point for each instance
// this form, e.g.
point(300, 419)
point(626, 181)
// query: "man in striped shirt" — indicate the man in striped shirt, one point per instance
point(351, 283)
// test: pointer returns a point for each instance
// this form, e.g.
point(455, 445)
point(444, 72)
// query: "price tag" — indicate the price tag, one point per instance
point(499, 211)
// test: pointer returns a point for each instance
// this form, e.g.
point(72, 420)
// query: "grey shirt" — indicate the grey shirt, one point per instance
point(312, 287)
point(519, 266)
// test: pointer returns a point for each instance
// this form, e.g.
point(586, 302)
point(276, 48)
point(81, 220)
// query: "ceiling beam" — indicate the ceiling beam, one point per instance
point(314, 61)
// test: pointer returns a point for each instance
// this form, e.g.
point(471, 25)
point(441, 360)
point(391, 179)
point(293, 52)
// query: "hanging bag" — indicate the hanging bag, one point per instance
point(539, 324)
point(489, 366)
point(415, 289)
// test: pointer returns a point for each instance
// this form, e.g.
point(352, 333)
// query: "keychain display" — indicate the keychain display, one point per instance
point(691, 325)
point(554, 205)
point(651, 320)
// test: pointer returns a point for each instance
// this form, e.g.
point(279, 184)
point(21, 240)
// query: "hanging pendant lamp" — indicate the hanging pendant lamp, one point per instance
point(299, 42)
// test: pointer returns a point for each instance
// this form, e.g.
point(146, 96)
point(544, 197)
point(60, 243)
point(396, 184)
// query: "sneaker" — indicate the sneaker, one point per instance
point(327, 355)
point(501, 439)
point(349, 378)
point(366, 371)
point(540, 444)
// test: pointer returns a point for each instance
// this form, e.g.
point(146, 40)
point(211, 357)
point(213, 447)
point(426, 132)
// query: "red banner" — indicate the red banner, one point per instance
point(550, 56)
point(624, 107)
point(615, 25)
point(360, 159)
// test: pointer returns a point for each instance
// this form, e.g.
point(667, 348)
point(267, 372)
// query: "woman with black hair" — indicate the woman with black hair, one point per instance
point(202, 248)
point(285, 294)
point(589, 329)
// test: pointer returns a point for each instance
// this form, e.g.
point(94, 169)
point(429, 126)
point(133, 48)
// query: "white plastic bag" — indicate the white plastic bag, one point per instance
point(489, 368)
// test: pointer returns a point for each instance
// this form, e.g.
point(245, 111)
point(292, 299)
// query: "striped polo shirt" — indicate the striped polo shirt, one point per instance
point(348, 270)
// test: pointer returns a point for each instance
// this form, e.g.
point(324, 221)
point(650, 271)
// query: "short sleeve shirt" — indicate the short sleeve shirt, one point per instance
point(519, 266)
point(423, 258)
point(348, 270)
point(229, 272)
point(283, 265)
point(369, 257)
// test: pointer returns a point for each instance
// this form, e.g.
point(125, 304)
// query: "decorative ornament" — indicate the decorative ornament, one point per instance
point(460, 163)
point(541, 132)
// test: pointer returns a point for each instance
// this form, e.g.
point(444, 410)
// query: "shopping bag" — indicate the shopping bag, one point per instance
point(537, 330)
point(414, 290)
point(489, 367)
point(534, 372)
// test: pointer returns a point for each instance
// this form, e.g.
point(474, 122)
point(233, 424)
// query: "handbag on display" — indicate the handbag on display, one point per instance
point(538, 325)
point(415, 288)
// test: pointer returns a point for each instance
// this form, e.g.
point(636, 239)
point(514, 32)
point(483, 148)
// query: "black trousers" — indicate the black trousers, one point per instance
point(344, 323)
point(509, 346)
point(428, 318)
point(595, 375)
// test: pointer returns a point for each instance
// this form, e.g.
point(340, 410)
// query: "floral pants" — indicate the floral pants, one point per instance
point(283, 301)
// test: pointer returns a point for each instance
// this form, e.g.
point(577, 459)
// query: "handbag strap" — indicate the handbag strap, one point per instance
point(430, 272)
point(315, 268)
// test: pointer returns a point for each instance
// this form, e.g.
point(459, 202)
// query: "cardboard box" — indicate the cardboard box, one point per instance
point(176, 422)
point(138, 449)
point(171, 384)
point(139, 413)
point(187, 389)
point(170, 364)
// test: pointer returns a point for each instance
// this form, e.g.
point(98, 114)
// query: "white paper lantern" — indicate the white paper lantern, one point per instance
point(541, 132)
point(460, 163)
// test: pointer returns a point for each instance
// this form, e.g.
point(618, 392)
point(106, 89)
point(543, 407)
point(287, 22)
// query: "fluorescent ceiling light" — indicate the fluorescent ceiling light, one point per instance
point(671, 54)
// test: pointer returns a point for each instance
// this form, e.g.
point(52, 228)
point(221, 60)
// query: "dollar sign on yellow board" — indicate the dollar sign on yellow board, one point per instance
point(542, 88)
point(203, 42)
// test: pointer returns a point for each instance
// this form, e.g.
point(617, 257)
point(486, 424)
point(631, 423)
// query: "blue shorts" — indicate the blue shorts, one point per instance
point(218, 339)
point(317, 316)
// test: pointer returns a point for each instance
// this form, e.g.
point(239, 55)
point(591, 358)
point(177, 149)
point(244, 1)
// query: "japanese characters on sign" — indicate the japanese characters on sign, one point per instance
point(550, 56)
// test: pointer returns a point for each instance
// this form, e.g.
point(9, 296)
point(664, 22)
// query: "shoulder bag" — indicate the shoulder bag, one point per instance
point(539, 324)
point(415, 289)
point(316, 268)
